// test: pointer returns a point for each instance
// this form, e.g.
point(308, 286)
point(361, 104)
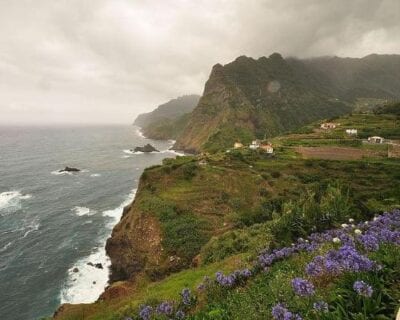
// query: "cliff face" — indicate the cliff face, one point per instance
point(250, 98)
point(175, 213)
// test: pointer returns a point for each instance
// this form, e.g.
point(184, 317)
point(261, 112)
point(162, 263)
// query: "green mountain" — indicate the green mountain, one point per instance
point(168, 120)
point(262, 98)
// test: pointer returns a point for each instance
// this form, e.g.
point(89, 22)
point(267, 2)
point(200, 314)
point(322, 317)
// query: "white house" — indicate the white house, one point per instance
point(328, 125)
point(237, 145)
point(255, 144)
point(376, 139)
point(267, 148)
point(352, 132)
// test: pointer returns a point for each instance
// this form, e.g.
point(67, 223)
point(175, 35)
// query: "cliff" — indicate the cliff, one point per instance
point(262, 98)
point(168, 120)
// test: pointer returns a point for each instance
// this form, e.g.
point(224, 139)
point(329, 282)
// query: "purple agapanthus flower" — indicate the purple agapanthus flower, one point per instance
point(303, 287)
point(280, 312)
point(321, 306)
point(145, 312)
point(186, 296)
point(179, 314)
point(165, 308)
point(363, 288)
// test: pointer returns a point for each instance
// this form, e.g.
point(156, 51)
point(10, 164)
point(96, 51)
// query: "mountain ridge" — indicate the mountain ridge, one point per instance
point(239, 101)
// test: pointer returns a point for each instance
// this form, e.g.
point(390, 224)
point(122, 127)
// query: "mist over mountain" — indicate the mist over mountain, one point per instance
point(250, 98)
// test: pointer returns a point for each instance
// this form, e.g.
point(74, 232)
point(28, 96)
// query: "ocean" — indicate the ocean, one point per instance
point(53, 224)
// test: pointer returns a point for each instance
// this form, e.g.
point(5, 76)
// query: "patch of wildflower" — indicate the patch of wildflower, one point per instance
point(352, 239)
point(363, 289)
point(280, 312)
point(145, 312)
point(186, 296)
point(321, 306)
point(302, 287)
point(165, 308)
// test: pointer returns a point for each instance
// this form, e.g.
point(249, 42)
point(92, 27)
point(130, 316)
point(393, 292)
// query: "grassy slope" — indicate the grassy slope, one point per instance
point(237, 194)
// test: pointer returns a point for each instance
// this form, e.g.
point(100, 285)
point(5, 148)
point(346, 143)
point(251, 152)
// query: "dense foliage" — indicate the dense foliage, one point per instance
point(350, 272)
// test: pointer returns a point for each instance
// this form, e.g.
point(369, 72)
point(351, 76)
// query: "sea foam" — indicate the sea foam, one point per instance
point(85, 285)
point(83, 211)
point(12, 199)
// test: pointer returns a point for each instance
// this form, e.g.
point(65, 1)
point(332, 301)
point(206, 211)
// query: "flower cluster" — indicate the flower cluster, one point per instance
point(350, 241)
point(145, 312)
point(165, 308)
point(303, 287)
point(233, 278)
point(186, 296)
point(347, 258)
point(363, 289)
point(321, 306)
point(280, 312)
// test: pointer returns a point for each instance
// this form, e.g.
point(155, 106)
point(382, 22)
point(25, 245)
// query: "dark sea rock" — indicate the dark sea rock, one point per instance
point(75, 270)
point(69, 169)
point(96, 265)
point(147, 148)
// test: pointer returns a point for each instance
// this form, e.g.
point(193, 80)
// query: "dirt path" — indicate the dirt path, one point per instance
point(334, 153)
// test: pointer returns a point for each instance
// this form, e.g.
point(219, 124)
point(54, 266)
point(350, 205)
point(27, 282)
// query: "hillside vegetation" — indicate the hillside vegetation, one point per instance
point(196, 215)
point(168, 120)
point(263, 98)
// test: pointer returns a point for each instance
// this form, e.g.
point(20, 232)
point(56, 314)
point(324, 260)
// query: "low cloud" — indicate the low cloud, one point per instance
point(105, 61)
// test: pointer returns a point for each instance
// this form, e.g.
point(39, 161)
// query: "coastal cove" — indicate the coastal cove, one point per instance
point(54, 225)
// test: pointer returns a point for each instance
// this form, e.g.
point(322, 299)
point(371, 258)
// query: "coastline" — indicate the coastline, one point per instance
point(86, 283)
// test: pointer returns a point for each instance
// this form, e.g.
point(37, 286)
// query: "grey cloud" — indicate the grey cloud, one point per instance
point(108, 60)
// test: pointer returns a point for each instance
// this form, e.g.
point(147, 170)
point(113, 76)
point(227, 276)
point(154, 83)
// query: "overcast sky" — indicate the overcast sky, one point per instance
point(105, 61)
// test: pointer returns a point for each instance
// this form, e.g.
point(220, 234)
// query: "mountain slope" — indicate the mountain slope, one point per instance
point(262, 98)
point(171, 110)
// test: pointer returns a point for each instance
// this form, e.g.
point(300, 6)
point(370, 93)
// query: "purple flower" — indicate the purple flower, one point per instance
point(165, 308)
point(369, 242)
point(145, 312)
point(303, 287)
point(246, 273)
point(180, 314)
point(321, 306)
point(186, 296)
point(280, 312)
point(363, 289)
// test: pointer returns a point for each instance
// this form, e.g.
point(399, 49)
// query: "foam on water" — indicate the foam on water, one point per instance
point(63, 173)
point(94, 175)
point(31, 227)
point(6, 246)
point(12, 199)
point(85, 282)
point(83, 211)
point(127, 151)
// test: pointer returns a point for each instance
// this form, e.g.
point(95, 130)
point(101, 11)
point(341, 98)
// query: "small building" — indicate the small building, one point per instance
point(328, 125)
point(255, 144)
point(267, 148)
point(237, 145)
point(376, 139)
point(203, 162)
point(352, 132)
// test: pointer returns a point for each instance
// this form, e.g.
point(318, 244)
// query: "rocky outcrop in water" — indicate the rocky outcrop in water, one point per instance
point(146, 148)
point(69, 169)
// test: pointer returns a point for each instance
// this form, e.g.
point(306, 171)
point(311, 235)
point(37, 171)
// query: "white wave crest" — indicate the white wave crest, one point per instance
point(31, 227)
point(62, 173)
point(12, 199)
point(85, 282)
point(173, 152)
point(94, 175)
point(127, 151)
point(83, 211)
